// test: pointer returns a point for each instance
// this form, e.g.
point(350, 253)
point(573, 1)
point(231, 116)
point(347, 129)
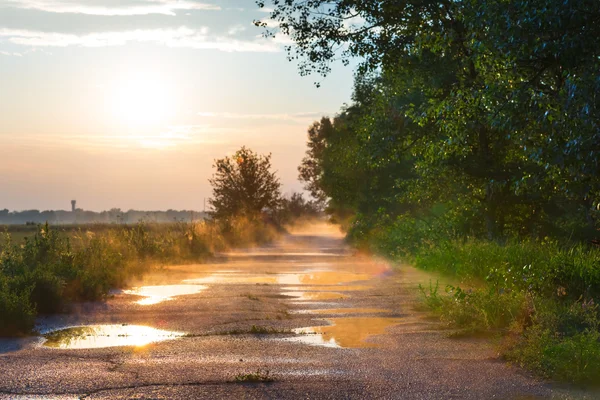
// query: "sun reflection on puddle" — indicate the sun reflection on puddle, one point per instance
point(309, 278)
point(344, 311)
point(157, 294)
point(338, 288)
point(307, 296)
point(283, 254)
point(98, 336)
point(348, 332)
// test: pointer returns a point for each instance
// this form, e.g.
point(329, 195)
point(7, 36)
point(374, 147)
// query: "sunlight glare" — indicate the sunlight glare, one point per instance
point(143, 101)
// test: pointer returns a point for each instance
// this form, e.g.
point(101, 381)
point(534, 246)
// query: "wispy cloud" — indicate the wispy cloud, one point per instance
point(6, 53)
point(170, 138)
point(93, 7)
point(296, 117)
point(234, 30)
point(178, 37)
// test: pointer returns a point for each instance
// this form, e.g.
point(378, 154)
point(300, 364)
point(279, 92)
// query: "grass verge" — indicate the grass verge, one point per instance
point(540, 298)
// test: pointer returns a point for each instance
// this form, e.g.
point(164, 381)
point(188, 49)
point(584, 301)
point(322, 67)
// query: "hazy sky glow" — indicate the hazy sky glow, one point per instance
point(127, 103)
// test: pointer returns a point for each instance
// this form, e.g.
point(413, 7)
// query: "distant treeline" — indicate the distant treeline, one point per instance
point(80, 216)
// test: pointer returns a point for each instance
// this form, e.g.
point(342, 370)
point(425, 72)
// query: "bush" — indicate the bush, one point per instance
point(53, 268)
point(563, 344)
point(538, 294)
point(17, 314)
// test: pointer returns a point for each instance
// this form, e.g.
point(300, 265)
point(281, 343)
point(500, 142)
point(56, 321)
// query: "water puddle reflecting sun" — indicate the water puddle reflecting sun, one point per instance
point(160, 293)
point(309, 278)
point(307, 296)
point(337, 288)
point(344, 311)
point(98, 336)
point(350, 332)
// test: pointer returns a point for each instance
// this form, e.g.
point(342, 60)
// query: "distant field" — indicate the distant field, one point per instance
point(18, 233)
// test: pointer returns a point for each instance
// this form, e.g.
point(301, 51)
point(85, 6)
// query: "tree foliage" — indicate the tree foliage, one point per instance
point(485, 112)
point(244, 185)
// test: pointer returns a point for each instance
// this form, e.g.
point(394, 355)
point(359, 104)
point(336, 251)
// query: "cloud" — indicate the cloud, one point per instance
point(92, 7)
point(234, 30)
point(294, 117)
point(173, 37)
point(169, 138)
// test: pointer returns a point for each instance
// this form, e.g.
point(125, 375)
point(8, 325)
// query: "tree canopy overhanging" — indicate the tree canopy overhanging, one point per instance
point(489, 108)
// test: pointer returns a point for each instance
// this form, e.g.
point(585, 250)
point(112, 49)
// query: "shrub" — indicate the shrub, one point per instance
point(53, 268)
point(17, 314)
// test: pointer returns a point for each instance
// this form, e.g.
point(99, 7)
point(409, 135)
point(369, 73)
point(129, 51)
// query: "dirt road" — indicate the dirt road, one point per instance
point(306, 312)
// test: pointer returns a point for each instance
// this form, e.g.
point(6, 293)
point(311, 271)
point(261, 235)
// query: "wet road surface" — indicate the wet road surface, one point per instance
point(309, 313)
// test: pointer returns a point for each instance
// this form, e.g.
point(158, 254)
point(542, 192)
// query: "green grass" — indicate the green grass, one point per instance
point(43, 270)
point(539, 297)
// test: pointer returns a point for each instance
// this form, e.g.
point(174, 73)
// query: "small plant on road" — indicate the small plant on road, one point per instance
point(257, 376)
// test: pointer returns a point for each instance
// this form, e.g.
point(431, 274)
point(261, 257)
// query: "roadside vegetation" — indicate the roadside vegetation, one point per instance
point(471, 147)
point(54, 266)
point(255, 377)
point(44, 268)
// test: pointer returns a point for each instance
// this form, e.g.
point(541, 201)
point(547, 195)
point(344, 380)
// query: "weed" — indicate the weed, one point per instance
point(257, 376)
point(539, 296)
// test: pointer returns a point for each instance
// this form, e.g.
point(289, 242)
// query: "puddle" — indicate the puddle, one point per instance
point(338, 288)
point(324, 278)
point(344, 311)
point(233, 278)
point(312, 278)
point(98, 336)
point(283, 254)
point(160, 293)
point(307, 296)
point(345, 332)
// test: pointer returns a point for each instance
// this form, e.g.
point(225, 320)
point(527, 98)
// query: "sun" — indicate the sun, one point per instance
point(142, 101)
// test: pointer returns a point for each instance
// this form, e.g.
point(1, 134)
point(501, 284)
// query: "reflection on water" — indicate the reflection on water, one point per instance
point(312, 278)
point(306, 296)
point(233, 278)
point(157, 294)
point(97, 336)
point(345, 332)
point(282, 254)
point(338, 288)
point(324, 278)
point(344, 311)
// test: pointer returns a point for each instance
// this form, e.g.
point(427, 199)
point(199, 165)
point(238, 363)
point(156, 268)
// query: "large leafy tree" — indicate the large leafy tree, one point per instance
point(244, 184)
point(493, 102)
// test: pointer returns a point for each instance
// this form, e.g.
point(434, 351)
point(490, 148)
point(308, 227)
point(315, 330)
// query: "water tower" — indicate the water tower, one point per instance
point(73, 205)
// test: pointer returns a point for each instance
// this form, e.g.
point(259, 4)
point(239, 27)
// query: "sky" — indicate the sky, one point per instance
point(127, 103)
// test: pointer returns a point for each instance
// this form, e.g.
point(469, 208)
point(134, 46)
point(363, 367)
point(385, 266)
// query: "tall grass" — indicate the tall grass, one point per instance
point(53, 267)
point(539, 296)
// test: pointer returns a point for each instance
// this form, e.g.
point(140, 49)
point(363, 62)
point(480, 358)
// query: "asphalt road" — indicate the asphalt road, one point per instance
point(308, 313)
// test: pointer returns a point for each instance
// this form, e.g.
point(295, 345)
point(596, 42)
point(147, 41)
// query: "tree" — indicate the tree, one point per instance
point(311, 169)
point(244, 184)
point(495, 102)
